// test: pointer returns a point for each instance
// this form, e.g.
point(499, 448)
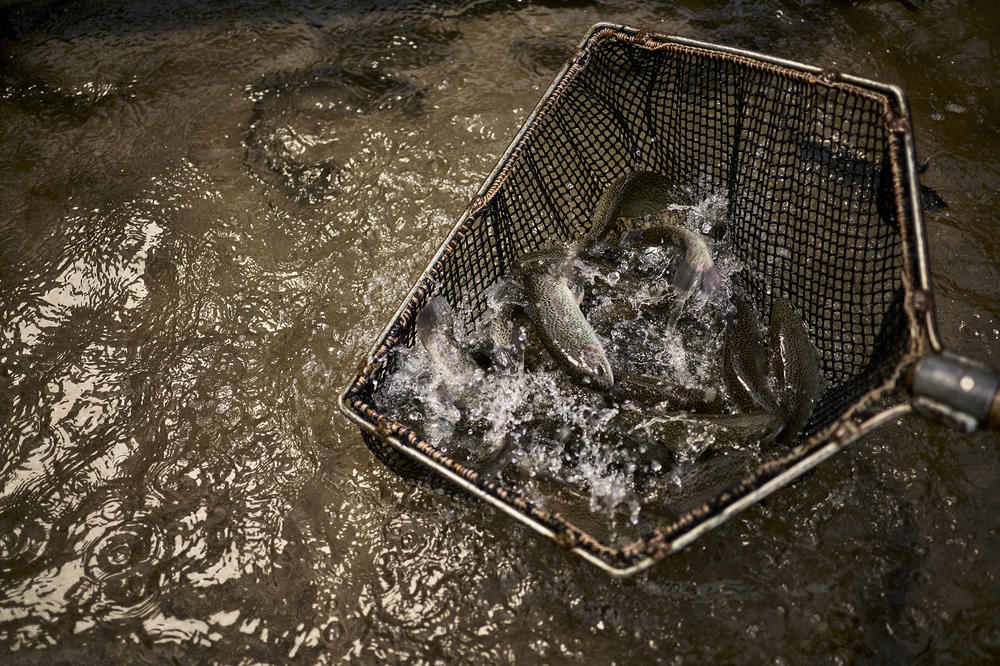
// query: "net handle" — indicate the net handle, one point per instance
point(957, 389)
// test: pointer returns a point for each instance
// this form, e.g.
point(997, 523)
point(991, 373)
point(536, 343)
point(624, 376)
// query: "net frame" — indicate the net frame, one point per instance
point(521, 184)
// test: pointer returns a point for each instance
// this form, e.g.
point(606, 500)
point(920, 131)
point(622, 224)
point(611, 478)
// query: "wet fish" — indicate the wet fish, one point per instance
point(634, 196)
point(745, 427)
point(745, 362)
point(639, 207)
point(301, 121)
point(696, 437)
point(435, 330)
point(509, 337)
point(570, 501)
point(932, 201)
point(541, 54)
point(794, 364)
point(554, 310)
point(665, 394)
point(696, 270)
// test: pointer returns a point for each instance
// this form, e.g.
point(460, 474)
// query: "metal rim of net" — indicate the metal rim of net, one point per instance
point(404, 450)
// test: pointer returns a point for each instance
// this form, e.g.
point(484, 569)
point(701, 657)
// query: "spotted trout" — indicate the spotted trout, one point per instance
point(693, 437)
point(665, 394)
point(639, 207)
point(745, 361)
point(554, 310)
point(794, 365)
point(435, 330)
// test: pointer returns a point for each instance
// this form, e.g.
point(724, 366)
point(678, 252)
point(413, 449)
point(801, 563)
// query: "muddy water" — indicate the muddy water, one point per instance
point(208, 212)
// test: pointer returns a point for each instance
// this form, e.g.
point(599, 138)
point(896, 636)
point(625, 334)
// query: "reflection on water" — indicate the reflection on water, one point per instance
point(208, 214)
point(304, 132)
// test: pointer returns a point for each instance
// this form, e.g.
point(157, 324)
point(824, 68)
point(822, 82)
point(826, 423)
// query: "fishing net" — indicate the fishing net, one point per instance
point(818, 171)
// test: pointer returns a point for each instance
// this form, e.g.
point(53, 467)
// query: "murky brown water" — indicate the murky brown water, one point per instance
point(209, 212)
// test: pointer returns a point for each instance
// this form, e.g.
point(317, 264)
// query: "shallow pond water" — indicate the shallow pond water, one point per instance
point(208, 214)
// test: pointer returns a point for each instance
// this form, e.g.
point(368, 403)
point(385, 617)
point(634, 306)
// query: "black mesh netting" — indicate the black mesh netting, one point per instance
point(811, 166)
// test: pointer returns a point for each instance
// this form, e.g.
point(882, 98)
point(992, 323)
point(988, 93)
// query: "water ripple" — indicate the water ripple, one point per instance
point(24, 541)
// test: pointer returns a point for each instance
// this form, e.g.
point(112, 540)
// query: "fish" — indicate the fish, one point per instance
point(695, 437)
point(435, 328)
point(745, 361)
point(639, 208)
point(571, 501)
point(665, 394)
point(634, 196)
point(932, 201)
point(794, 364)
point(509, 337)
point(745, 427)
point(554, 311)
point(296, 136)
point(696, 269)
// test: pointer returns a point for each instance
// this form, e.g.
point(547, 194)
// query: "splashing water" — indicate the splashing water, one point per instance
point(561, 444)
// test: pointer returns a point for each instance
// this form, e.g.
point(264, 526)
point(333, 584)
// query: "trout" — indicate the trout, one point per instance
point(794, 365)
point(435, 327)
point(638, 207)
point(554, 310)
point(745, 362)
